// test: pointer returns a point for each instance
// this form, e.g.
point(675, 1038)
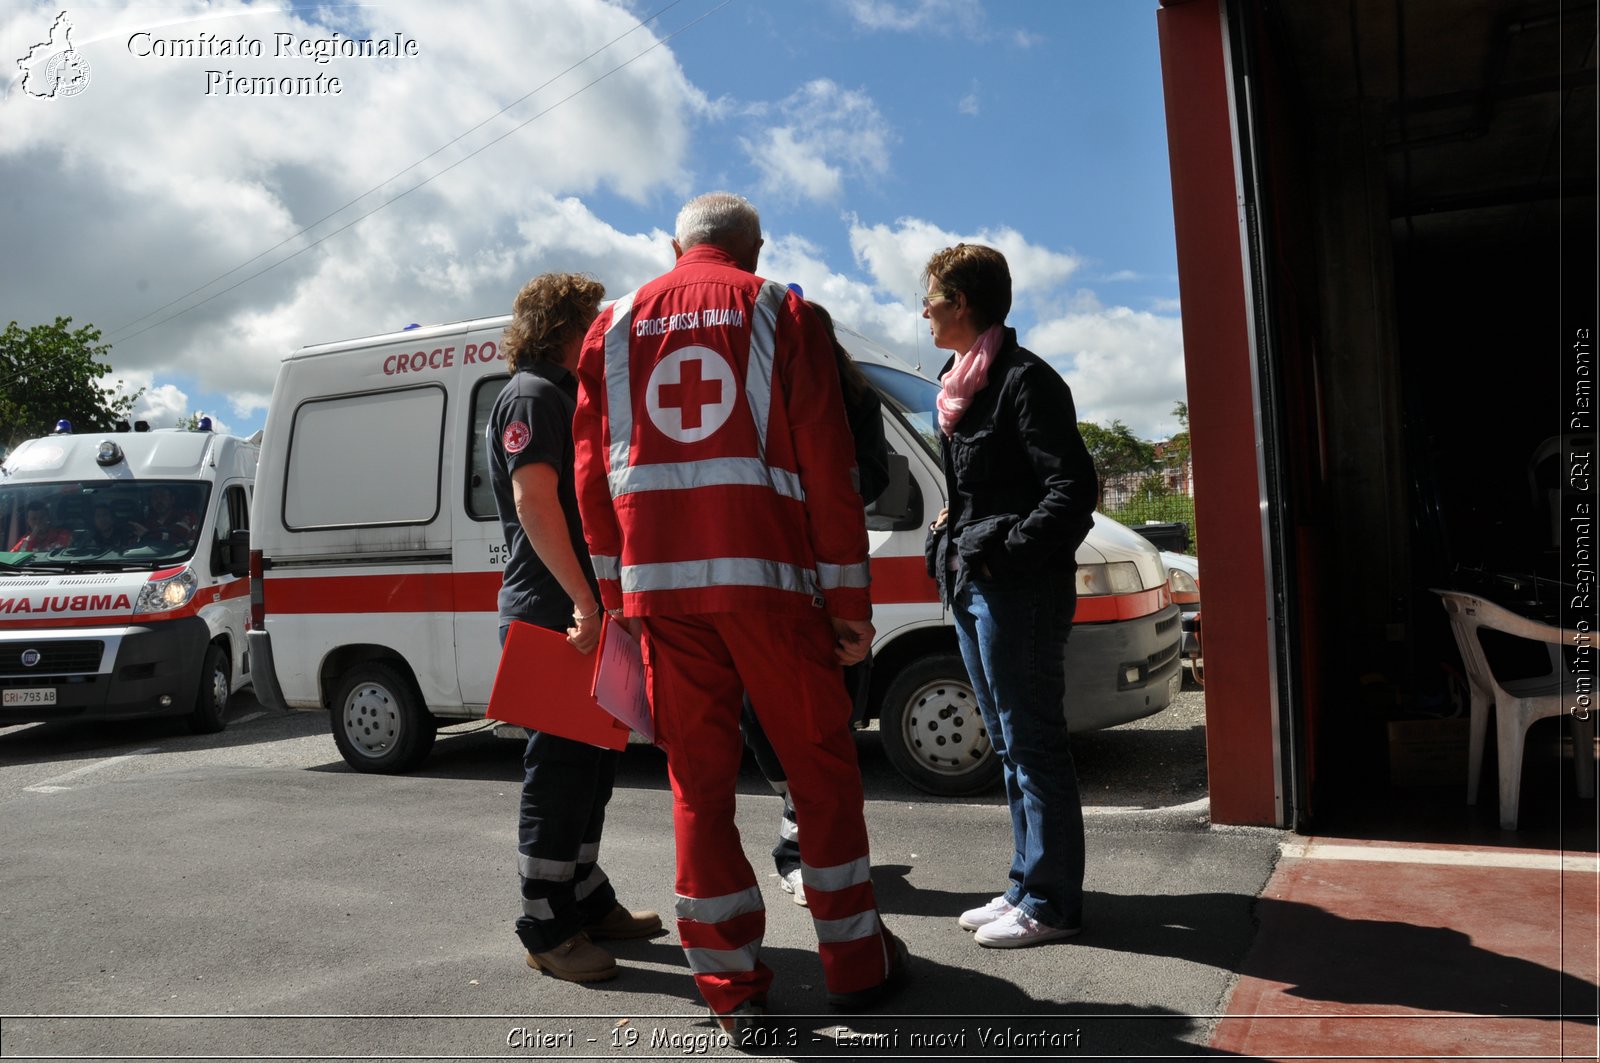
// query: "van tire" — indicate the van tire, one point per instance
point(211, 700)
point(932, 731)
point(378, 721)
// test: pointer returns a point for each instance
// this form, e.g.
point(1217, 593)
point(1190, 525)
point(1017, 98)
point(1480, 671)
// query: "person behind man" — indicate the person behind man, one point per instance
point(105, 533)
point(865, 414)
point(1022, 491)
point(164, 523)
point(548, 581)
point(713, 462)
point(42, 533)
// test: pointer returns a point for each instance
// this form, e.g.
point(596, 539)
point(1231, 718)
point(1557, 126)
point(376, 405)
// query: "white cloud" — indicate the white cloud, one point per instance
point(946, 17)
point(895, 255)
point(161, 406)
point(142, 188)
point(969, 104)
point(1121, 364)
point(829, 133)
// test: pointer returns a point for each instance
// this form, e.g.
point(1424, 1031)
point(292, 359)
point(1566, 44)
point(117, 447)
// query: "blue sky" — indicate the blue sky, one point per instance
point(868, 132)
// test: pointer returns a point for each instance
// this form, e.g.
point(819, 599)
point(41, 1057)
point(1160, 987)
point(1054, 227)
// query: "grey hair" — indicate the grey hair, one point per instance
point(720, 218)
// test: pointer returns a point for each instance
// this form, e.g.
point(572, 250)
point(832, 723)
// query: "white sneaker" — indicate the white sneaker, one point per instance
point(791, 883)
point(973, 918)
point(1016, 928)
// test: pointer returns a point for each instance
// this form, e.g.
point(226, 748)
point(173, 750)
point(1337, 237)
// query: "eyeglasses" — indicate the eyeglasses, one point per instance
point(936, 297)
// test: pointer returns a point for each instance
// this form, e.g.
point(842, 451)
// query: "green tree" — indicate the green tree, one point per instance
point(49, 372)
point(1116, 450)
point(1176, 451)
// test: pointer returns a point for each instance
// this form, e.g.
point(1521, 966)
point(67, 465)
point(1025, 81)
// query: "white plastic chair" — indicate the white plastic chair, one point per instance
point(1517, 702)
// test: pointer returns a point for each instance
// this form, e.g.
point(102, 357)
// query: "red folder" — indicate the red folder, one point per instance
point(545, 685)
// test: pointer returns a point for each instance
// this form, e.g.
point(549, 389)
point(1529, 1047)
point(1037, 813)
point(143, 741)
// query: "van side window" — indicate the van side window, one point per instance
point(365, 460)
point(480, 495)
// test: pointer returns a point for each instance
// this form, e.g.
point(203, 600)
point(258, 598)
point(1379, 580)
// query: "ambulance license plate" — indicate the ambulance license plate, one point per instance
point(30, 696)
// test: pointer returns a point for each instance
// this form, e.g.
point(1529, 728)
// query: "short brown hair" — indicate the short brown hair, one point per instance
point(980, 273)
point(548, 312)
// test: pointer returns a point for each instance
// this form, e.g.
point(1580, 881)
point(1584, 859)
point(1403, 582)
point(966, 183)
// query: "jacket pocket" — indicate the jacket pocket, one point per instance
point(983, 544)
point(973, 455)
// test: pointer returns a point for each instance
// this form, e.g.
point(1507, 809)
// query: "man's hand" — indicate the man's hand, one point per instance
point(939, 521)
point(852, 639)
point(584, 635)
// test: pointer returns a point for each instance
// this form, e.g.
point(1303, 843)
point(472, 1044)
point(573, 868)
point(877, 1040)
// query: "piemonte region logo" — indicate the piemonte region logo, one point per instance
point(54, 68)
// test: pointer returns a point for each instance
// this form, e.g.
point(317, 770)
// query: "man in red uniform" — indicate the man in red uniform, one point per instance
point(714, 480)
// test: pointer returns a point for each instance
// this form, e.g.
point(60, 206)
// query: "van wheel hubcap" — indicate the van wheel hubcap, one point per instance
point(944, 730)
point(371, 719)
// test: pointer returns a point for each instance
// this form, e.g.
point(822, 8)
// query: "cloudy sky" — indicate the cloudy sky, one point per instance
point(209, 232)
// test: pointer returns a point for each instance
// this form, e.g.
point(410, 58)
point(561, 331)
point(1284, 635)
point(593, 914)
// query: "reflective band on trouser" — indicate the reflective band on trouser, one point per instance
point(591, 882)
point(718, 909)
point(717, 572)
point(619, 387)
point(837, 878)
point(835, 576)
point(763, 354)
point(712, 472)
point(724, 961)
point(850, 937)
point(852, 928)
point(722, 941)
point(546, 870)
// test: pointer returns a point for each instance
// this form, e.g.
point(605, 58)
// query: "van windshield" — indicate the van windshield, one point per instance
point(99, 525)
point(912, 397)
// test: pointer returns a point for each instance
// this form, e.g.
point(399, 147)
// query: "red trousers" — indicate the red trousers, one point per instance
point(699, 668)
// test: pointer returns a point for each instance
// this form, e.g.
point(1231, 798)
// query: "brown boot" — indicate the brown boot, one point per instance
point(576, 959)
point(620, 923)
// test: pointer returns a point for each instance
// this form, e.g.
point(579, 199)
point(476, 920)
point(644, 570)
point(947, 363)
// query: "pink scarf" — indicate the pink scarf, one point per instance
point(966, 378)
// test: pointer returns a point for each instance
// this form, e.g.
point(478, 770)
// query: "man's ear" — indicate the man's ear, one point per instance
point(755, 255)
point(677, 252)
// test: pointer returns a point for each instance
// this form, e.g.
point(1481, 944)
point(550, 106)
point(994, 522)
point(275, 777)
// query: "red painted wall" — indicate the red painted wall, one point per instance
point(1217, 356)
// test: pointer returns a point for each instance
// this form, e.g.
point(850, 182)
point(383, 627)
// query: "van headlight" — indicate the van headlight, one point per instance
point(1184, 587)
point(164, 595)
point(1117, 577)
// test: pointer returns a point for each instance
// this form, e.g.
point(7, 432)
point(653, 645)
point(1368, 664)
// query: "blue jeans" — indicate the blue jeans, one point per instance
point(1013, 639)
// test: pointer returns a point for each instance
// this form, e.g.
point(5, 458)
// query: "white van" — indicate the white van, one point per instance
point(124, 589)
point(377, 554)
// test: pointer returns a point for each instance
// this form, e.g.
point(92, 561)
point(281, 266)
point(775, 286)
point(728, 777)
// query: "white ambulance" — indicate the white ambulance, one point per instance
point(377, 556)
point(123, 575)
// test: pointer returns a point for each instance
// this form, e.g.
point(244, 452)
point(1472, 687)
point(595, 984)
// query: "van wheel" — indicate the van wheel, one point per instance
point(379, 723)
point(211, 701)
point(932, 731)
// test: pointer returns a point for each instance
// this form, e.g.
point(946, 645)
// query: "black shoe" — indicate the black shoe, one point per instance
point(899, 974)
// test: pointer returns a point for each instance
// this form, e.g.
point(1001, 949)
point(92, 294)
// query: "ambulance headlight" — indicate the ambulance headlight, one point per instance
point(164, 595)
point(1185, 589)
point(1118, 577)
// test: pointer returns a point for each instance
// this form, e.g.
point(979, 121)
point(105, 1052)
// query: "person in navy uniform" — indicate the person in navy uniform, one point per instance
point(567, 901)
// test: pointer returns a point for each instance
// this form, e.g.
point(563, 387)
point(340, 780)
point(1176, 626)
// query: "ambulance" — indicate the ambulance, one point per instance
point(124, 564)
point(377, 555)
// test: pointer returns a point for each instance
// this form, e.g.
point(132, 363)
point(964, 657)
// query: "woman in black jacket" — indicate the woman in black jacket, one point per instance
point(1021, 489)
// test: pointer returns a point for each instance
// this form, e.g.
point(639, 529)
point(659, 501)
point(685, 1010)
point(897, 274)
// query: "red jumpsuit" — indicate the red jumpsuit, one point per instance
point(714, 480)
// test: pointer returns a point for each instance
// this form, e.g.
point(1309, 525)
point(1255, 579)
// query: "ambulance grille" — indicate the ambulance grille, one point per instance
point(1164, 626)
point(1156, 661)
point(67, 657)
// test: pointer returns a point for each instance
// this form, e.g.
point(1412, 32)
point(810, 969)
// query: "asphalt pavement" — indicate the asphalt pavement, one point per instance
point(245, 895)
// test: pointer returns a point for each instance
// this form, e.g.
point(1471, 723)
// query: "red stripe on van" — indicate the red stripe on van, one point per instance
point(1108, 608)
point(895, 581)
point(204, 597)
point(426, 592)
point(900, 580)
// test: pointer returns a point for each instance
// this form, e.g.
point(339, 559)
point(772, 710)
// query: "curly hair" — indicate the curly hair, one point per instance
point(978, 272)
point(548, 312)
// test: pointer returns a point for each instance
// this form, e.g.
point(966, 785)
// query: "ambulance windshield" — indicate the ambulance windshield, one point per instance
point(98, 524)
point(910, 396)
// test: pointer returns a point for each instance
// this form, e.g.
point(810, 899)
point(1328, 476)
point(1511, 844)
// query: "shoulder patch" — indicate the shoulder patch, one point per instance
point(515, 437)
